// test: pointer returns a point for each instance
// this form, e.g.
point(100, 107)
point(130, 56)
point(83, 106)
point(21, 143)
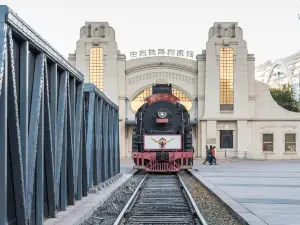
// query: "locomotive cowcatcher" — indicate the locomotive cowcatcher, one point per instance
point(162, 137)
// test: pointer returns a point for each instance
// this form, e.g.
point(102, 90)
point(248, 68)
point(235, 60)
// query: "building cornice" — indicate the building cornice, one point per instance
point(250, 57)
point(161, 65)
point(121, 57)
point(201, 57)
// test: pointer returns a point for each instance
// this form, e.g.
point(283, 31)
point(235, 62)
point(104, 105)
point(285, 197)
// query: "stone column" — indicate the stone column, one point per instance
point(211, 133)
point(203, 137)
point(201, 131)
point(122, 104)
point(242, 138)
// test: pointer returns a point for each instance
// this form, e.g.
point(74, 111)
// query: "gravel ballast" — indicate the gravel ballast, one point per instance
point(211, 208)
point(113, 206)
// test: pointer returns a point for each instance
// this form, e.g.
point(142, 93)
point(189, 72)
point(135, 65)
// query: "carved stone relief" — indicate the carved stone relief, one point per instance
point(278, 126)
point(226, 31)
point(219, 32)
point(161, 75)
point(211, 141)
point(226, 126)
point(233, 30)
point(251, 97)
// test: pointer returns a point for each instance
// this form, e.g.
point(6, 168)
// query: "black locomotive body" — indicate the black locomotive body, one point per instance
point(162, 137)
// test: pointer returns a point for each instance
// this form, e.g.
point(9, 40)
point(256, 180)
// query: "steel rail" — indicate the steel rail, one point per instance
point(130, 201)
point(199, 215)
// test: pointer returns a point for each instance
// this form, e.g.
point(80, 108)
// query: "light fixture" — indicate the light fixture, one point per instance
point(162, 114)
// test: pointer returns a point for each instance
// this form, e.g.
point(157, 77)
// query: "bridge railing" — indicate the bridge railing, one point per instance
point(102, 136)
point(54, 143)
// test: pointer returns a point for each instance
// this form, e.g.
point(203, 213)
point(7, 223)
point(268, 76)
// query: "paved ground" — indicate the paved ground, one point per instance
point(268, 189)
point(126, 166)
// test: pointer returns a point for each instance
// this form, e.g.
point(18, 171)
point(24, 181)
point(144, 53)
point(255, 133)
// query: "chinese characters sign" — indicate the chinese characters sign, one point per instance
point(161, 52)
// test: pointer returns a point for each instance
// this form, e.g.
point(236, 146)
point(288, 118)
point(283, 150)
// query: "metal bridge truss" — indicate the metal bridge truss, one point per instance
point(58, 137)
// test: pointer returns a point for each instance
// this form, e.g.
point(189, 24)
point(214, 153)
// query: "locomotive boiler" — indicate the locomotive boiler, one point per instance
point(162, 137)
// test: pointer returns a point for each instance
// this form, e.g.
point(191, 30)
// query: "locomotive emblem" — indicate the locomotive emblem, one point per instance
point(162, 142)
point(162, 114)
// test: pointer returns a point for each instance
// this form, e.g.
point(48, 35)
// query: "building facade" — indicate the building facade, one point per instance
point(228, 107)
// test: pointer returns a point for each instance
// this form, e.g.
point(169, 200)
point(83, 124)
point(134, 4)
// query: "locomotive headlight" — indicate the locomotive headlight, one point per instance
point(162, 114)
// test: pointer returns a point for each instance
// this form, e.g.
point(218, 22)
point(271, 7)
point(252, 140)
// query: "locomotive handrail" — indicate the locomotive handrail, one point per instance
point(122, 214)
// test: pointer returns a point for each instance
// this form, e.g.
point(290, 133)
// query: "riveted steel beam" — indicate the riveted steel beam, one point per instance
point(70, 145)
point(62, 99)
point(78, 141)
point(35, 113)
point(112, 149)
point(100, 139)
point(24, 113)
point(72, 99)
point(53, 86)
point(83, 158)
point(48, 146)
point(95, 143)
point(105, 140)
point(118, 144)
point(14, 135)
point(3, 122)
point(39, 200)
point(63, 167)
point(89, 138)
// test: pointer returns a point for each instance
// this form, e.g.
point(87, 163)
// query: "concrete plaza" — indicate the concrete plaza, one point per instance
point(263, 192)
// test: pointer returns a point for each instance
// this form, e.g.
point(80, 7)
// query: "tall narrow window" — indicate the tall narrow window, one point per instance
point(96, 67)
point(226, 79)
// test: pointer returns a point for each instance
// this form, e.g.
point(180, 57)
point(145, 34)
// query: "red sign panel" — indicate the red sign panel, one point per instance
point(162, 97)
point(162, 120)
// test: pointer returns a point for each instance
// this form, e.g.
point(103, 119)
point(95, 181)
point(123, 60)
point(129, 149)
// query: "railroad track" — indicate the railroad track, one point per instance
point(161, 199)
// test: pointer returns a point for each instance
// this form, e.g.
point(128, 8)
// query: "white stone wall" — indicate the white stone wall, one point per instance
point(99, 34)
point(278, 128)
point(255, 111)
point(212, 94)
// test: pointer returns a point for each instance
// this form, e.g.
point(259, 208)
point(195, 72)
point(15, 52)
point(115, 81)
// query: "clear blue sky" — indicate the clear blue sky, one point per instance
point(271, 28)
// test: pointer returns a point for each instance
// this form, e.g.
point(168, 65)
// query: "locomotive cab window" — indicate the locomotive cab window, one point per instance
point(139, 99)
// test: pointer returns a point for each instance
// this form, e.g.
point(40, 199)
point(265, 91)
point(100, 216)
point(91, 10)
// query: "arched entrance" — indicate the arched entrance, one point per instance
point(139, 99)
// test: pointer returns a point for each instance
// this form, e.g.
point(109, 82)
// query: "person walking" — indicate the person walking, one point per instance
point(207, 153)
point(213, 155)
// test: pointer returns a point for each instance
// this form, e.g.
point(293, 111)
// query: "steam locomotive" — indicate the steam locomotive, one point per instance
point(162, 137)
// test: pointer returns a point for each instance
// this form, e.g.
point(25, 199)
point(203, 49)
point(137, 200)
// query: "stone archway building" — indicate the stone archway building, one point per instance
point(229, 108)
